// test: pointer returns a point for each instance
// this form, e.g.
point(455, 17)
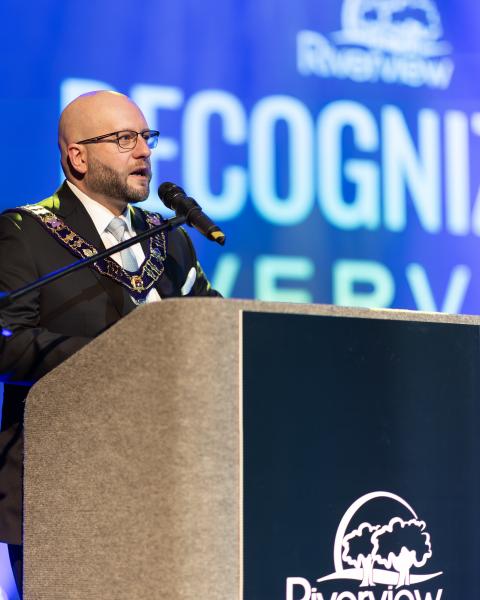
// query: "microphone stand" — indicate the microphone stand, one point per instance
point(6, 298)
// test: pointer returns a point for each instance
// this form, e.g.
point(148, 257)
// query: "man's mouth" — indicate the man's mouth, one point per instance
point(141, 173)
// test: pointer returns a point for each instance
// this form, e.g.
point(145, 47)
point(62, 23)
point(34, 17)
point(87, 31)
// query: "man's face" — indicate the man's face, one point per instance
point(116, 173)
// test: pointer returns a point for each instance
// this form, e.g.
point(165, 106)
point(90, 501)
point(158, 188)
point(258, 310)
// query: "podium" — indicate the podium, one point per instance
point(212, 449)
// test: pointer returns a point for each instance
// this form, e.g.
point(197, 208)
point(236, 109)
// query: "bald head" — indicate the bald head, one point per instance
point(94, 114)
point(105, 171)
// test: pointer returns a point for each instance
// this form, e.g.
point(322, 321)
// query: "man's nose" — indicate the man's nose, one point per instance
point(141, 149)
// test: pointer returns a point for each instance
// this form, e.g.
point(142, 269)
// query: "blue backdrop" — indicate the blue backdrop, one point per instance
point(336, 143)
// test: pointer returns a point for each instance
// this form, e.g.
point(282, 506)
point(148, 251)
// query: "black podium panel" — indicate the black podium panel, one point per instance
point(361, 459)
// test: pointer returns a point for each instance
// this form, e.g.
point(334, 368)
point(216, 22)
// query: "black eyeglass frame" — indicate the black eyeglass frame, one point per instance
point(152, 135)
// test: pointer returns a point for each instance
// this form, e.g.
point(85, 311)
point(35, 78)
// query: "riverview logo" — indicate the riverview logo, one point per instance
point(389, 41)
point(399, 544)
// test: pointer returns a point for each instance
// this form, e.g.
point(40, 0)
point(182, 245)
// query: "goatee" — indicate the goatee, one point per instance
point(104, 180)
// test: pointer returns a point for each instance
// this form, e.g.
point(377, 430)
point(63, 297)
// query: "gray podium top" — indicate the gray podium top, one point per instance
point(133, 456)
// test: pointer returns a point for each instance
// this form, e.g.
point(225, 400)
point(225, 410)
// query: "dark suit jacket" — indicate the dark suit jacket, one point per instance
point(52, 323)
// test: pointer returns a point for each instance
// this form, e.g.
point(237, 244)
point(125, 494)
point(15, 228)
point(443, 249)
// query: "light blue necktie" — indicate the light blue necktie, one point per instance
point(118, 228)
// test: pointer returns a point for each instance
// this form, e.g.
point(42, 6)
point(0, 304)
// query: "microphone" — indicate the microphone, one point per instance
point(175, 198)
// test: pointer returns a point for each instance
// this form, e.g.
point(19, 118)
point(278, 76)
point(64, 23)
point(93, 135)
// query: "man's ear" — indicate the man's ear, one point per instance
point(77, 157)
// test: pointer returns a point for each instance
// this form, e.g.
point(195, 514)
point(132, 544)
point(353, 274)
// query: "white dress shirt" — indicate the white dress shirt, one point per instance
point(101, 218)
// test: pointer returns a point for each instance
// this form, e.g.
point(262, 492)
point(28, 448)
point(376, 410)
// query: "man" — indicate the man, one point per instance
point(105, 147)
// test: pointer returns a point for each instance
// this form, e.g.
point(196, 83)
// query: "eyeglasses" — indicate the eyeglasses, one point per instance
point(126, 140)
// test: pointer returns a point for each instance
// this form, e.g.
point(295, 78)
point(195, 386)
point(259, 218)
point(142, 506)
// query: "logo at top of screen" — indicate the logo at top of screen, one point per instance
point(391, 550)
point(387, 41)
point(396, 26)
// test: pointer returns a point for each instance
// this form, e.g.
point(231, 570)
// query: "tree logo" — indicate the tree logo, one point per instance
point(381, 553)
point(396, 26)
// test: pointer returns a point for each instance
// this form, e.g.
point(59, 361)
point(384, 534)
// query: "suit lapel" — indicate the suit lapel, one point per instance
point(72, 211)
point(139, 225)
point(164, 285)
point(74, 214)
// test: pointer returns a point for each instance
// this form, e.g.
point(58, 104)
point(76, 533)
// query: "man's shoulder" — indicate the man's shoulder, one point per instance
point(142, 216)
point(137, 212)
point(20, 217)
point(178, 242)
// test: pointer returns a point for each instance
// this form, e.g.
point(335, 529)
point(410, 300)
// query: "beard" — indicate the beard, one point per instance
point(104, 180)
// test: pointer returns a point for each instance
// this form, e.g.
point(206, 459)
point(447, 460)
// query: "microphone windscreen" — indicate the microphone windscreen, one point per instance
point(170, 194)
